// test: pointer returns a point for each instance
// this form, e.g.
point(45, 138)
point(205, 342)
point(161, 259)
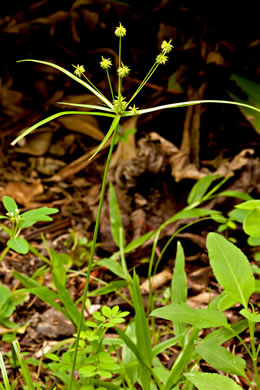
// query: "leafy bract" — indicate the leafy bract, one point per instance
point(200, 318)
point(231, 268)
point(9, 204)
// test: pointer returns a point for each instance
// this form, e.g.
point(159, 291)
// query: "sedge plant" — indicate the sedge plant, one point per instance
point(116, 109)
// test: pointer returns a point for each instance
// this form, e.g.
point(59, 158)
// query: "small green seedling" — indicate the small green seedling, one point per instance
point(21, 221)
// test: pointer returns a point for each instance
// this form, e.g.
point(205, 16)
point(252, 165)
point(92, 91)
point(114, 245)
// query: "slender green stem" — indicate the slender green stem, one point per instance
point(93, 247)
point(110, 85)
point(149, 74)
point(4, 253)
point(254, 352)
point(119, 78)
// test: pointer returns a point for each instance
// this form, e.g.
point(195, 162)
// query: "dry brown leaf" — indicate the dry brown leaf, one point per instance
point(37, 144)
point(87, 125)
point(23, 193)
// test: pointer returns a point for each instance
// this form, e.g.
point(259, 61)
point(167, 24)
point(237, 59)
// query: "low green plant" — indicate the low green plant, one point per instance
point(139, 357)
point(20, 221)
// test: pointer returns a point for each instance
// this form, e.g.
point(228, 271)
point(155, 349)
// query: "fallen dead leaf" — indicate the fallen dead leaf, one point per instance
point(23, 193)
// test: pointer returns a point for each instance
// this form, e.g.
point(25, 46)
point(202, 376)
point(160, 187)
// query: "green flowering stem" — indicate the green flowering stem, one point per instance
point(147, 77)
point(254, 352)
point(114, 126)
point(110, 85)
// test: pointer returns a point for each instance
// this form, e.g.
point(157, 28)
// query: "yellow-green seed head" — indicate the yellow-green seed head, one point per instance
point(105, 63)
point(166, 46)
point(120, 31)
point(79, 70)
point(123, 70)
point(161, 59)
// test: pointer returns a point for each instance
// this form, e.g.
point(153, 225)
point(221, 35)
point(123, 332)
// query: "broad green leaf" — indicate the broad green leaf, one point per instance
point(254, 241)
point(9, 204)
point(251, 223)
point(4, 293)
point(199, 318)
point(251, 88)
point(249, 205)
point(113, 266)
point(19, 245)
point(199, 189)
point(205, 381)
point(222, 335)
point(115, 217)
point(221, 359)
point(231, 268)
point(254, 317)
point(179, 286)
point(238, 215)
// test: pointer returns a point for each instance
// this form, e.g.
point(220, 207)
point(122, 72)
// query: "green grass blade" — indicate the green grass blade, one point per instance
point(108, 134)
point(191, 103)
point(72, 76)
point(179, 287)
point(4, 373)
point(231, 268)
point(92, 106)
point(199, 189)
point(52, 117)
point(24, 367)
point(182, 360)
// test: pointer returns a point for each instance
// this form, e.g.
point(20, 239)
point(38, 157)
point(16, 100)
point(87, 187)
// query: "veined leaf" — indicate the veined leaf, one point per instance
point(205, 381)
point(249, 205)
point(221, 359)
point(254, 317)
point(19, 245)
point(200, 318)
point(231, 268)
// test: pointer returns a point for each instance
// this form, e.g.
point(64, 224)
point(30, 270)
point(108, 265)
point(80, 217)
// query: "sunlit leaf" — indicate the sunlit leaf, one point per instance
point(231, 268)
point(205, 381)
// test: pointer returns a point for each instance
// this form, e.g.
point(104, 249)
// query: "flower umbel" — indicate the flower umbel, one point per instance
point(120, 31)
point(166, 47)
point(161, 59)
point(119, 103)
point(105, 63)
point(134, 109)
point(123, 70)
point(79, 70)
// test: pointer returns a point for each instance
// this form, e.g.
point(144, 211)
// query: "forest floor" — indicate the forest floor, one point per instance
point(157, 160)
